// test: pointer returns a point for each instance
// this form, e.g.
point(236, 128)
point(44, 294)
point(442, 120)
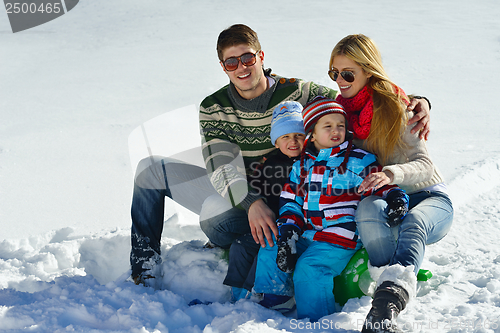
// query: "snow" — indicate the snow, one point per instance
point(402, 276)
point(74, 89)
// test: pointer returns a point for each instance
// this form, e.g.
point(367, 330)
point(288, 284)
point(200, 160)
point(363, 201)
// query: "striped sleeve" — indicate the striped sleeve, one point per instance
point(318, 90)
point(291, 200)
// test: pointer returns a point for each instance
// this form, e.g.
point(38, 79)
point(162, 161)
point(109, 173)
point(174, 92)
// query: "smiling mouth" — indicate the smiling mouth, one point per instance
point(244, 76)
point(345, 87)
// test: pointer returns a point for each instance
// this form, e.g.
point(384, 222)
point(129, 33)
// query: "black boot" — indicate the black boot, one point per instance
point(389, 300)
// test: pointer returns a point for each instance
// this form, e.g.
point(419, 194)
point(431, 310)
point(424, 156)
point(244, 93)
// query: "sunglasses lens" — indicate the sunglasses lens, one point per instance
point(231, 64)
point(348, 76)
point(333, 75)
point(248, 59)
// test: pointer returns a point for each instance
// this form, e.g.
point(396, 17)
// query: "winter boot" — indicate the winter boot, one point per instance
point(281, 303)
point(388, 301)
point(152, 275)
point(141, 279)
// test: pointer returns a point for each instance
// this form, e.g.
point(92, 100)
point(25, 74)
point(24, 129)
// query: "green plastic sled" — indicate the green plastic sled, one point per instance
point(354, 281)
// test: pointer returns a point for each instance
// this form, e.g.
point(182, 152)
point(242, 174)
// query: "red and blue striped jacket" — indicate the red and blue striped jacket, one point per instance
point(326, 207)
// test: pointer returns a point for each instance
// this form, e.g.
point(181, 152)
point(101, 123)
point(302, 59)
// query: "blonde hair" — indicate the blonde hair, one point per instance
point(389, 102)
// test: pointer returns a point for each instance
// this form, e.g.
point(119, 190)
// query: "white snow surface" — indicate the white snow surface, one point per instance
point(73, 90)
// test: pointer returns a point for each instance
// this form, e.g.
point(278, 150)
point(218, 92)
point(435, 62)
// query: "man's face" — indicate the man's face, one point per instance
point(249, 81)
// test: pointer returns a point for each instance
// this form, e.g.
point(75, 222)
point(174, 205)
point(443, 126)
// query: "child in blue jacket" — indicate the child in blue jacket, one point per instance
point(317, 230)
point(287, 135)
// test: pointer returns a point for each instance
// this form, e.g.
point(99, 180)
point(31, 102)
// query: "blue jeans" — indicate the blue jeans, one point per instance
point(312, 279)
point(242, 263)
point(428, 221)
point(188, 185)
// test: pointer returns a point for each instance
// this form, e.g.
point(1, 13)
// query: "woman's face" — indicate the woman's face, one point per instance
point(349, 89)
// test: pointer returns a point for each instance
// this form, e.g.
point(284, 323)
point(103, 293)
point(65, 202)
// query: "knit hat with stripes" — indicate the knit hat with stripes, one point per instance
point(312, 112)
point(287, 118)
point(317, 108)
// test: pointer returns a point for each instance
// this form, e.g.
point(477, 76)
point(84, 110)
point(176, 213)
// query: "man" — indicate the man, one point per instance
point(235, 124)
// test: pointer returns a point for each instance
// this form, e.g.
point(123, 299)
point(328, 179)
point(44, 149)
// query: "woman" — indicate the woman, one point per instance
point(377, 115)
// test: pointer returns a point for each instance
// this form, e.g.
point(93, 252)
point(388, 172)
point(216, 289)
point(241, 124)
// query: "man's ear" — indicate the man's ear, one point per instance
point(261, 55)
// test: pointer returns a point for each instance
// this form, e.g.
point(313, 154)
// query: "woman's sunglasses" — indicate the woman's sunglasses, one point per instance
point(346, 75)
point(246, 59)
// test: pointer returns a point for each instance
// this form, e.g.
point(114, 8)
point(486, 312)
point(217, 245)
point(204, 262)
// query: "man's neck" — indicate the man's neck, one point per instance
point(257, 104)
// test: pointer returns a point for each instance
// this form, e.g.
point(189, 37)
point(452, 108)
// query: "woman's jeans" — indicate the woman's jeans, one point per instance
point(428, 220)
point(188, 185)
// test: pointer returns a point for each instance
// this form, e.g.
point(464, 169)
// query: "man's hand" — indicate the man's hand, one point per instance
point(422, 115)
point(262, 222)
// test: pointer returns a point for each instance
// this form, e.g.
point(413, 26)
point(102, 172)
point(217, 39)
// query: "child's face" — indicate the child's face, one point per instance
point(329, 131)
point(290, 144)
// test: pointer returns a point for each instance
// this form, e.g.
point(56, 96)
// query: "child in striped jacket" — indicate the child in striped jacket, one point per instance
point(317, 230)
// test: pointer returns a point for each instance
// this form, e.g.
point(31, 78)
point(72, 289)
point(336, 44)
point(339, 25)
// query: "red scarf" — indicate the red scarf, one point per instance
point(359, 111)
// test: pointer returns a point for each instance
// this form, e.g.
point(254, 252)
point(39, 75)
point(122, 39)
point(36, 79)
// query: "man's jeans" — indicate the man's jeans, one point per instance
point(429, 219)
point(242, 263)
point(188, 185)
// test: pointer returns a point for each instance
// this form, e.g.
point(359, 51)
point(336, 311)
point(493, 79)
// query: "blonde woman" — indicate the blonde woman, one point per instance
point(377, 115)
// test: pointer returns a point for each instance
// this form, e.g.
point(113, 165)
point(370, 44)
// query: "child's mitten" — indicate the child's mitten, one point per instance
point(287, 250)
point(397, 206)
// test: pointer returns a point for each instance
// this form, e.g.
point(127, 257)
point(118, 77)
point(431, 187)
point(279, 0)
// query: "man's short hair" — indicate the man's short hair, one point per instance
point(237, 34)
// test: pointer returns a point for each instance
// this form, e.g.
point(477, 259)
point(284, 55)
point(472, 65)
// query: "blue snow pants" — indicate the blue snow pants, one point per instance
point(312, 280)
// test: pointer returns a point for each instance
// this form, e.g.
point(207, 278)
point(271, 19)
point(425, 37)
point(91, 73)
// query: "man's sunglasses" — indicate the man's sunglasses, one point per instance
point(246, 59)
point(346, 75)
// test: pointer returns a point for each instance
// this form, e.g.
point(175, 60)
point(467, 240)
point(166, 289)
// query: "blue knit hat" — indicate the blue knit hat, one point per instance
point(287, 118)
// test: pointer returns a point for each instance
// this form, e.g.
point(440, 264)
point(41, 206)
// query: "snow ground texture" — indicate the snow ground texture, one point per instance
point(56, 282)
point(73, 90)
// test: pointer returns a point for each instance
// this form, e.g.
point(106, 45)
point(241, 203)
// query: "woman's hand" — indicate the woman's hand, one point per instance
point(422, 117)
point(376, 180)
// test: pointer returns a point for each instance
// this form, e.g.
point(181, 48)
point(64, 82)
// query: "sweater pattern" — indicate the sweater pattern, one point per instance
point(236, 133)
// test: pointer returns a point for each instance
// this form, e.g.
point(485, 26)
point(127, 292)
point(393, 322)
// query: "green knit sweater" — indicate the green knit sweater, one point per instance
point(236, 133)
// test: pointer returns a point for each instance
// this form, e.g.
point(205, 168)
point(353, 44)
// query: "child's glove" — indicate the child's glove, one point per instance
point(397, 206)
point(287, 250)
